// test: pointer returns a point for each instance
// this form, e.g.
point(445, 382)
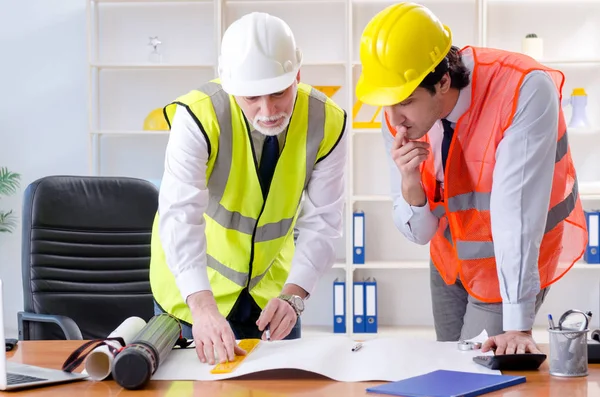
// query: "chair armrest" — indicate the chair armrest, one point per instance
point(66, 324)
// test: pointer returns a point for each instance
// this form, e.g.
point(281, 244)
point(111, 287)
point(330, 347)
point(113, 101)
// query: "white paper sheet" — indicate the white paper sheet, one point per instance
point(381, 359)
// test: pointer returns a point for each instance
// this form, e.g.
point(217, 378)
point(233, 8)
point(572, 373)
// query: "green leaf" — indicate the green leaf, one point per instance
point(9, 181)
point(8, 221)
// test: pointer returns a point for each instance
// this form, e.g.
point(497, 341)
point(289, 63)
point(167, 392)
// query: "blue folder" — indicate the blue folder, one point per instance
point(444, 383)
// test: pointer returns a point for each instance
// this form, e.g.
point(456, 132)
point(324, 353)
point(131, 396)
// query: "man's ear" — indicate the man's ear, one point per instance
point(445, 83)
point(298, 77)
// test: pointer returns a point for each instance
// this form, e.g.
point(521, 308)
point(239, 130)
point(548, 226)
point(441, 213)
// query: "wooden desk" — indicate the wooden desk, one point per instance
point(281, 383)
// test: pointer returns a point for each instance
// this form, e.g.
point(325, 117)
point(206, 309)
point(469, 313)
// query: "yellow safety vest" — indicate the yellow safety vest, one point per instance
point(249, 240)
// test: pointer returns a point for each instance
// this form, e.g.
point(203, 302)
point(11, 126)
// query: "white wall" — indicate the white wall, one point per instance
point(43, 110)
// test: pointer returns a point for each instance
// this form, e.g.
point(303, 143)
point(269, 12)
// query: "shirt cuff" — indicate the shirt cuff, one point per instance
point(409, 211)
point(518, 316)
point(191, 281)
point(304, 278)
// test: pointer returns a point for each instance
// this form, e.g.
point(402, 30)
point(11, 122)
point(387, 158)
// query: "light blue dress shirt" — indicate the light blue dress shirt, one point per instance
point(522, 182)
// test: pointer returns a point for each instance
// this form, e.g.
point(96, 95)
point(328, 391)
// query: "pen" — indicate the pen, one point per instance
point(357, 347)
point(268, 332)
point(550, 321)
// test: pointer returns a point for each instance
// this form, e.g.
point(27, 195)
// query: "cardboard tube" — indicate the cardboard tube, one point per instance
point(98, 363)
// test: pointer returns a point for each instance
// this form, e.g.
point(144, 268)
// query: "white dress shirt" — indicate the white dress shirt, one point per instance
point(522, 181)
point(183, 199)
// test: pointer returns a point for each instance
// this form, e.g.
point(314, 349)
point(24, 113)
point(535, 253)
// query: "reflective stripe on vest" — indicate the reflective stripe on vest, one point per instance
point(239, 278)
point(222, 167)
point(481, 201)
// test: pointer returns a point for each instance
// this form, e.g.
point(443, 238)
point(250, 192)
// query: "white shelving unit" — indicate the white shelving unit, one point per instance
point(125, 86)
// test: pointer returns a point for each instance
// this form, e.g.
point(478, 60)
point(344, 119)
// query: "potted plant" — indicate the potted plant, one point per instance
point(9, 183)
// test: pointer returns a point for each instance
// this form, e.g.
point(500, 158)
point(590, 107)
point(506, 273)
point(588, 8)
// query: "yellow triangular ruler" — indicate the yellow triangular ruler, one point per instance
point(223, 368)
point(328, 90)
point(365, 116)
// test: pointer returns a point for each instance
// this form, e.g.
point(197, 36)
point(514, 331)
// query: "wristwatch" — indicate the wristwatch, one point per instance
point(295, 301)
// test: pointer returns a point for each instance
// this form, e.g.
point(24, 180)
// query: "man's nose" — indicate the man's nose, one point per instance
point(394, 116)
point(268, 106)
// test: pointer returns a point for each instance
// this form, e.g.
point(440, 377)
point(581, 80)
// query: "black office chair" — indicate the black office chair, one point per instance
point(85, 255)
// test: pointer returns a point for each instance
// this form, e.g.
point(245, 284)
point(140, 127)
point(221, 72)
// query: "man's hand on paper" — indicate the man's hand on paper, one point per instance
point(511, 342)
point(212, 333)
point(280, 316)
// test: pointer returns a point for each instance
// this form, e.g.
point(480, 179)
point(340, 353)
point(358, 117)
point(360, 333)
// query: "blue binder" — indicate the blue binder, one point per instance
point(371, 305)
point(339, 307)
point(358, 230)
point(592, 252)
point(444, 383)
point(358, 310)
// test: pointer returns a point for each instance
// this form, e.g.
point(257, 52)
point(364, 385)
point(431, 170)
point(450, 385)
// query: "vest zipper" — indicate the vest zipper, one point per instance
point(263, 205)
point(261, 210)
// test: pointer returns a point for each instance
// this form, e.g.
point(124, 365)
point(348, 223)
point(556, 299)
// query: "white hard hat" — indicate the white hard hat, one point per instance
point(258, 56)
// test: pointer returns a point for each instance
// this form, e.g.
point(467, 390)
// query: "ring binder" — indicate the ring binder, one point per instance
point(358, 227)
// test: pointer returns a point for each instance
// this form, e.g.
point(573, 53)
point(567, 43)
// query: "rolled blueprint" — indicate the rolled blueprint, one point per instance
point(136, 363)
point(98, 363)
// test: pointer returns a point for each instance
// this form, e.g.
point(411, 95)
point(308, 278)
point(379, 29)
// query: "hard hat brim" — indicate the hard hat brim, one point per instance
point(260, 87)
point(383, 96)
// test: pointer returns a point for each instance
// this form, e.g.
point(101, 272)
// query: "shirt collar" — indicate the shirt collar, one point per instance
point(464, 96)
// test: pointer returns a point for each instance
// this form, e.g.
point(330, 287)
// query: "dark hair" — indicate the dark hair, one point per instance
point(452, 64)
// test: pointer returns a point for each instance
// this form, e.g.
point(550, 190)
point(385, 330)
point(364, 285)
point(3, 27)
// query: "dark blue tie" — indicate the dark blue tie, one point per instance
point(268, 161)
point(448, 132)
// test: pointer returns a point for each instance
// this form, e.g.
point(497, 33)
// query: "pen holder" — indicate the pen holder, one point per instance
point(568, 352)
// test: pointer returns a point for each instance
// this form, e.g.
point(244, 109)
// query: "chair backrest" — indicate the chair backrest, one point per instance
point(86, 252)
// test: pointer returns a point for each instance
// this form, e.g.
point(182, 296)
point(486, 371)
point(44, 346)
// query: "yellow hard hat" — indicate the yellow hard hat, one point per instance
point(399, 47)
point(155, 121)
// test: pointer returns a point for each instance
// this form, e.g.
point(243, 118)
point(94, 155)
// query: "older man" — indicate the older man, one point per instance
point(243, 151)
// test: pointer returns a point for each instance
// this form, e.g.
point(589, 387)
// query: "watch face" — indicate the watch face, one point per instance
point(299, 302)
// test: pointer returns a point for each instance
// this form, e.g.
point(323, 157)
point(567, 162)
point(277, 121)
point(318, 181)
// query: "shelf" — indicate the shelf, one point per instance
point(549, 62)
point(150, 66)
point(130, 132)
point(575, 62)
point(339, 265)
point(572, 131)
point(589, 190)
point(367, 131)
point(150, 1)
point(280, 2)
point(586, 266)
point(409, 265)
point(375, 197)
point(526, 2)
point(583, 131)
point(390, 2)
point(382, 265)
point(324, 63)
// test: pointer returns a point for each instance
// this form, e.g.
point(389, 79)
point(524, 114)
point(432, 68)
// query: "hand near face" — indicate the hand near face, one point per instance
point(408, 155)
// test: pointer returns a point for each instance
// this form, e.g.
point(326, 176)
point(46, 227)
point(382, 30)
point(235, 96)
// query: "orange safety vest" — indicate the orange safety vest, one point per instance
point(463, 245)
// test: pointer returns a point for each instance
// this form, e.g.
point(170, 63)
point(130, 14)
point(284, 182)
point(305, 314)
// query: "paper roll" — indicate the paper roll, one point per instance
point(99, 362)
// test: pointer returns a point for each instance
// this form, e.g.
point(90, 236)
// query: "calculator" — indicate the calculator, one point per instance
point(512, 362)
